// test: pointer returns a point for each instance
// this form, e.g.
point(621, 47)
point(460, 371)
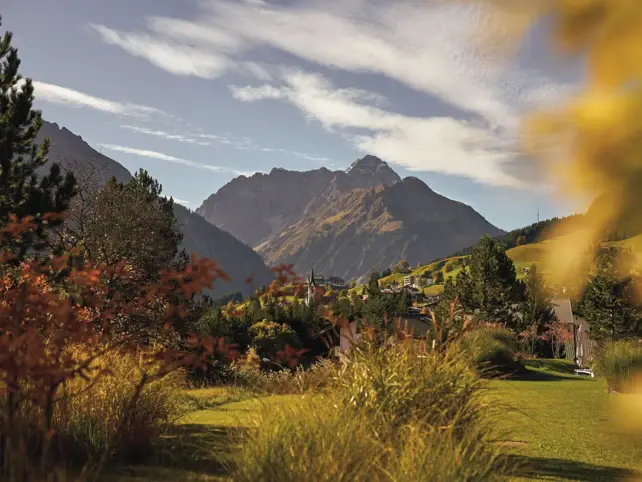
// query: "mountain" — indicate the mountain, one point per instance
point(206, 240)
point(343, 223)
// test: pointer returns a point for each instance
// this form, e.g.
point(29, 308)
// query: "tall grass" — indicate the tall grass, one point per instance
point(618, 362)
point(397, 413)
point(491, 350)
point(96, 418)
point(406, 383)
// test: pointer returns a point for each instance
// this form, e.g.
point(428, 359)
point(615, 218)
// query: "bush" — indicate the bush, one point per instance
point(491, 351)
point(91, 419)
point(248, 374)
point(618, 362)
point(269, 338)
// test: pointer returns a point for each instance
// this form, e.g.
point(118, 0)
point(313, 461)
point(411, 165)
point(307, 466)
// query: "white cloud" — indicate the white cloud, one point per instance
point(429, 46)
point(248, 94)
point(176, 160)
point(56, 94)
point(445, 144)
point(182, 202)
point(166, 135)
point(241, 143)
point(179, 59)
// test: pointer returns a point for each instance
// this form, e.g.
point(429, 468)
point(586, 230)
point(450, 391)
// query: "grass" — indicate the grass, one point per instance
point(562, 426)
point(561, 429)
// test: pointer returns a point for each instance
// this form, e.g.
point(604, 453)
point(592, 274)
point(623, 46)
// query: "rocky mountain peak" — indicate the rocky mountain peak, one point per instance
point(374, 170)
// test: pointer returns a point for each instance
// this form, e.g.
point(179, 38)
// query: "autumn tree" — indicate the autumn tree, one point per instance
point(521, 240)
point(23, 190)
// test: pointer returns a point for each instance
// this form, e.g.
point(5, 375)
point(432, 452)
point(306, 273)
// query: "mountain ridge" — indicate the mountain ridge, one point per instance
point(343, 223)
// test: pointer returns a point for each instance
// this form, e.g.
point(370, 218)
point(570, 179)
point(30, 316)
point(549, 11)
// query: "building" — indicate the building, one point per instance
point(580, 348)
point(316, 288)
point(410, 281)
point(337, 283)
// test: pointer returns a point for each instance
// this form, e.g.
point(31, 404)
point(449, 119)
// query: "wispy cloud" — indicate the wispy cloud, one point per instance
point(428, 46)
point(444, 143)
point(166, 135)
point(176, 160)
point(243, 143)
point(56, 94)
point(182, 202)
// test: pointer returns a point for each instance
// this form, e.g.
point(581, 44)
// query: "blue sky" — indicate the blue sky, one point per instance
point(200, 91)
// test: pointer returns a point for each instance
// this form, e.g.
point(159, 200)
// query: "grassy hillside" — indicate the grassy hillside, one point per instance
point(522, 256)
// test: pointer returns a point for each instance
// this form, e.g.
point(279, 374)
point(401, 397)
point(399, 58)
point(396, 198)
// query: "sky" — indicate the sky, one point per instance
point(198, 92)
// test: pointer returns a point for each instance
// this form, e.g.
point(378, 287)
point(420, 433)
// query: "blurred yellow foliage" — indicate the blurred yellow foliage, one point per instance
point(592, 145)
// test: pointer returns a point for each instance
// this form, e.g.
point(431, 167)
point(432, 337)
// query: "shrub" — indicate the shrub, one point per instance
point(269, 338)
point(248, 374)
point(618, 362)
point(95, 416)
point(491, 350)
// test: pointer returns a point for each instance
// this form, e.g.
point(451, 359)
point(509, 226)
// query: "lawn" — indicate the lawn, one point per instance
point(558, 428)
point(561, 426)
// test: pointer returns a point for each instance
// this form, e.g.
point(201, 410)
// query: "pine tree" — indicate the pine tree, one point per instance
point(494, 288)
point(22, 192)
point(608, 302)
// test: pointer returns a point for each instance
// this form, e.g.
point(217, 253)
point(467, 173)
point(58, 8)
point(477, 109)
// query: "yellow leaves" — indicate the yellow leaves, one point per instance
point(592, 144)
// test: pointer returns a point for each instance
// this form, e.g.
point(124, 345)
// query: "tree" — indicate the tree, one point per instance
point(22, 193)
point(438, 277)
point(537, 308)
point(133, 221)
point(558, 334)
point(269, 338)
point(521, 240)
point(372, 288)
point(608, 303)
point(494, 287)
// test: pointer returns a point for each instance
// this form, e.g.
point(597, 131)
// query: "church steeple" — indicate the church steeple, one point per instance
point(311, 288)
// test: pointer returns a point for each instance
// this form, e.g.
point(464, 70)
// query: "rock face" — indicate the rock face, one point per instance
point(206, 240)
point(344, 223)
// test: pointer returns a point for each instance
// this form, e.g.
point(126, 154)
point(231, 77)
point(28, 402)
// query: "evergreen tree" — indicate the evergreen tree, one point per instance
point(22, 192)
point(494, 288)
point(133, 222)
point(608, 302)
point(537, 308)
point(372, 289)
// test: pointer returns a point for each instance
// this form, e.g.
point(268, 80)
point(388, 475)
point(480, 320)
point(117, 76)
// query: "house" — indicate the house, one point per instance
point(337, 283)
point(581, 347)
point(410, 281)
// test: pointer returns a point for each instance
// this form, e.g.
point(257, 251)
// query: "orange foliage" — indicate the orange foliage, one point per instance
point(48, 307)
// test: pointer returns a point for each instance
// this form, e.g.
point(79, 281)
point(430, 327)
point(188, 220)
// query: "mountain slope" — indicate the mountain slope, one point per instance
point(254, 209)
point(206, 240)
point(344, 223)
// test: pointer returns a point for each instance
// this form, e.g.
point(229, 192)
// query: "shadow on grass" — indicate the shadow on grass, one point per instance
point(560, 366)
point(540, 467)
point(205, 450)
point(542, 376)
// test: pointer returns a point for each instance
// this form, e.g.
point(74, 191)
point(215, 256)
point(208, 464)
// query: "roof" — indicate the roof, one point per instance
point(563, 310)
